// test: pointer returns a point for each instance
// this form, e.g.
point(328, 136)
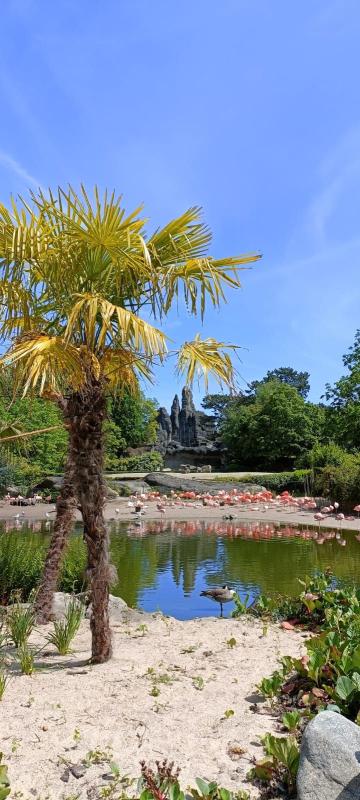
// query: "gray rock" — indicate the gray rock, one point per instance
point(60, 603)
point(117, 607)
point(161, 480)
point(330, 759)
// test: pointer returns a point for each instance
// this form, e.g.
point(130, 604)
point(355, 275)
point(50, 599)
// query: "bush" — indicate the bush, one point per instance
point(297, 482)
point(324, 455)
point(147, 462)
point(340, 483)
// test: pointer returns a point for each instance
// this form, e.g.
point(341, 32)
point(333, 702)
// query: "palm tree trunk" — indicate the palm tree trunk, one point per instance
point(86, 415)
point(64, 520)
point(65, 511)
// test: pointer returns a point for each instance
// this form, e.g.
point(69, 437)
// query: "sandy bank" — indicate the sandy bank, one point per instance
point(69, 708)
point(119, 510)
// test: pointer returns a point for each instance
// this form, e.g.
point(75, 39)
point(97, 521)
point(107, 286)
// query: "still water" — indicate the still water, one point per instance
point(165, 565)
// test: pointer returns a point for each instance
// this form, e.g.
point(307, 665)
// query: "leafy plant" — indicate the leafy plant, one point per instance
point(20, 621)
point(270, 686)
point(231, 642)
point(280, 764)
point(291, 720)
point(198, 683)
point(65, 630)
point(4, 780)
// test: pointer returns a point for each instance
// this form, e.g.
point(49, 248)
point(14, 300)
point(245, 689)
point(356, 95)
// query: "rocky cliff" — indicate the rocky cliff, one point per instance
point(187, 435)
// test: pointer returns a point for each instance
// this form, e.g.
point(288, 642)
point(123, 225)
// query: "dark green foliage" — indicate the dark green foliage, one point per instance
point(273, 430)
point(147, 462)
point(132, 423)
point(296, 482)
point(297, 380)
point(218, 403)
point(343, 416)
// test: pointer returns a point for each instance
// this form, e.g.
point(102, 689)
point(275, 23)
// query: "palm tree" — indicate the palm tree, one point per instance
point(75, 274)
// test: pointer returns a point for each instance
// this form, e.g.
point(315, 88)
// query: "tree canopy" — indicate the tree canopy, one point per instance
point(272, 431)
point(298, 380)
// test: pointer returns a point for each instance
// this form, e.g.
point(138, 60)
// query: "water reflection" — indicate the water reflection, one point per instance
point(165, 564)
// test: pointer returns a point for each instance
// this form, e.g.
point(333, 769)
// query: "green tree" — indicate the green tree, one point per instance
point(343, 414)
point(288, 375)
point(218, 404)
point(75, 274)
point(272, 431)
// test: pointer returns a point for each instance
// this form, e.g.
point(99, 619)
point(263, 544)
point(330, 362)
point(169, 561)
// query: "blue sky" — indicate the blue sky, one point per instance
point(248, 108)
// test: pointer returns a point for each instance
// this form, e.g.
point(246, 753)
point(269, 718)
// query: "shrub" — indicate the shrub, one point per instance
point(324, 455)
point(297, 482)
point(146, 462)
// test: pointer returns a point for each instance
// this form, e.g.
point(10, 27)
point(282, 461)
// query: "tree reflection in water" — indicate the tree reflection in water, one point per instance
point(165, 564)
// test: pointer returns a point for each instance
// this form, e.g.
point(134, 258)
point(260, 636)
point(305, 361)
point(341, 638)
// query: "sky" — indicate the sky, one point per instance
point(248, 108)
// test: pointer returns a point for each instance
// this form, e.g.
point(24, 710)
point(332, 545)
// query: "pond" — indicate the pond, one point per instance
point(165, 565)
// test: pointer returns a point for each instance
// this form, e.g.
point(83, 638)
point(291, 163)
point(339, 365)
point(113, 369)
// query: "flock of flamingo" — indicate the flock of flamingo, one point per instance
point(244, 501)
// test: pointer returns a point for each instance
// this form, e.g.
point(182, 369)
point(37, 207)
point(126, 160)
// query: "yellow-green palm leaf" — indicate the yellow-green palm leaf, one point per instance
point(203, 357)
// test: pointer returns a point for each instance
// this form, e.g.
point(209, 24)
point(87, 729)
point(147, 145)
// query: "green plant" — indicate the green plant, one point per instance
point(65, 630)
point(270, 686)
point(280, 764)
point(198, 683)
point(229, 713)
point(20, 622)
point(241, 607)
point(231, 642)
point(291, 720)
point(4, 780)
point(163, 784)
point(26, 659)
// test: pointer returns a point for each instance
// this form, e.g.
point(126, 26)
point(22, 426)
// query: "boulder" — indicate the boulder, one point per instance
point(165, 482)
point(60, 603)
point(117, 607)
point(330, 759)
point(61, 600)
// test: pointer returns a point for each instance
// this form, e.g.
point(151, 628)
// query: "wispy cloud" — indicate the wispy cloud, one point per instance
point(14, 166)
point(337, 183)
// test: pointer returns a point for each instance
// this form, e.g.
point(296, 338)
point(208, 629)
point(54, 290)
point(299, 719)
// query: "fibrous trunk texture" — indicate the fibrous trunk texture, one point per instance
point(64, 520)
point(86, 411)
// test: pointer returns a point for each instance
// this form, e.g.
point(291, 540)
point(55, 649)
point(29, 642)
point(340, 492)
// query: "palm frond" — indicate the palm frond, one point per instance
point(122, 370)
point(203, 357)
point(47, 362)
point(103, 322)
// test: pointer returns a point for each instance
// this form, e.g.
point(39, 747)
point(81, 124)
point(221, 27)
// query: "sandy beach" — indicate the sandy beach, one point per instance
point(163, 695)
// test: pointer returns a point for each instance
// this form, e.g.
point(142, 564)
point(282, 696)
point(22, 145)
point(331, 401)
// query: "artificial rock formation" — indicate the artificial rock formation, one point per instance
point(187, 435)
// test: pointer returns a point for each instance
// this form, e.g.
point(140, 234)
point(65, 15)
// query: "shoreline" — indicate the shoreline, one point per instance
point(173, 689)
point(118, 510)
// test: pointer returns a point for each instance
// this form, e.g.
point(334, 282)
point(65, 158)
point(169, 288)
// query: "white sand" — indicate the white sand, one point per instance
point(110, 706)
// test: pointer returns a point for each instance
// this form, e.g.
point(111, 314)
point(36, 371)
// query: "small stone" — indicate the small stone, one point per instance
point(44, 728)
point(65, 776)
point(78, 770)
point(287, 626)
